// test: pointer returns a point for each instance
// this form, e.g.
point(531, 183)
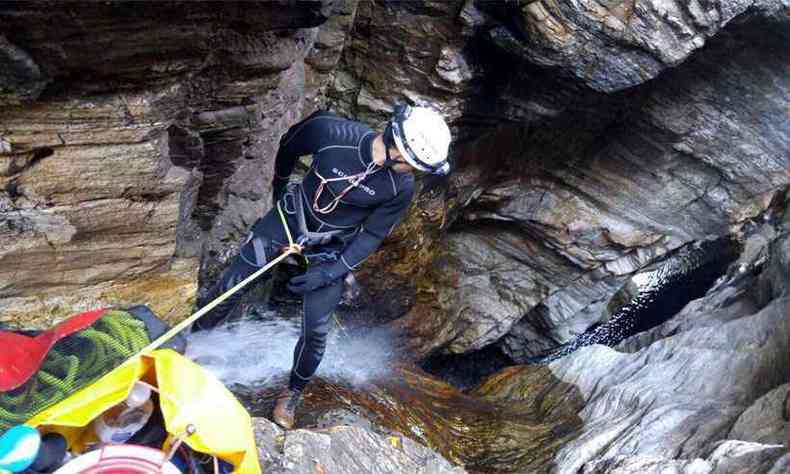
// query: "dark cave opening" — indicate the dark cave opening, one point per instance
point(466, 370)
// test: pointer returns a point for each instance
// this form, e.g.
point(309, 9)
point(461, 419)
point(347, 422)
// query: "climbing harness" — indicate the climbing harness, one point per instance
point(308, 238)
point(297, 246)
point(292, 248)
point(354, 181)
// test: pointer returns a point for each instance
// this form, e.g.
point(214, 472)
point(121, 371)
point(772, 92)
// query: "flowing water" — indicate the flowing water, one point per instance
point(260, 351)
point(655, 294)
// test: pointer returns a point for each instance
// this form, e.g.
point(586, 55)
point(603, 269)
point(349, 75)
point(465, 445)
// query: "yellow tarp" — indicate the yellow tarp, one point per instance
point(188, 394)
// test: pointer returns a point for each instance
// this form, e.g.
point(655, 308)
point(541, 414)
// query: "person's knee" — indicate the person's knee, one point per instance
point(315, 339)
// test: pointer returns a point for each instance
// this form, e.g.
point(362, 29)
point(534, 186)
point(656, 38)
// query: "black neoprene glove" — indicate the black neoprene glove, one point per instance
point(279, 186)
point(317, 277)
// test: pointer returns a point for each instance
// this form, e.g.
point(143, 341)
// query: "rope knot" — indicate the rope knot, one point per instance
point(293, 247)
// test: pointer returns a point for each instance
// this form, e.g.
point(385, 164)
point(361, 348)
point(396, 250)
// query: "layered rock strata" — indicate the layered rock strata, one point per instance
point(615, 44)
point(544, 246)
point(133, 143)
point(704, 387)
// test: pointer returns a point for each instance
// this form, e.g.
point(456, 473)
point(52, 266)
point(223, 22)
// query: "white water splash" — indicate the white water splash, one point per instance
point(255, 352)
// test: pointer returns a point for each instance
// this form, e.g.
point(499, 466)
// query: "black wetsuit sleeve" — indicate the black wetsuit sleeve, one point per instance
point(304, 138)
point(377, 227)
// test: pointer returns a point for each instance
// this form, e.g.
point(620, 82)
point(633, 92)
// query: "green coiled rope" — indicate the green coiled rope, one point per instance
point(73, 363)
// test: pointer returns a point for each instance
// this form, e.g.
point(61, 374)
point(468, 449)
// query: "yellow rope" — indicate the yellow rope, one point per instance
point(293, 248)
point(285, 226)
point(345, 333)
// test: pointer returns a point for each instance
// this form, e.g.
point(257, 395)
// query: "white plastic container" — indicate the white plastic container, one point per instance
point(122, 421)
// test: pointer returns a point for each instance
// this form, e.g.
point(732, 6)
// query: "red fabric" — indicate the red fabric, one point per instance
point(21, 356)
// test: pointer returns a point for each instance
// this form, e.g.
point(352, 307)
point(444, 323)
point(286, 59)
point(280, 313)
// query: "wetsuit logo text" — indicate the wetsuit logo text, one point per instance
point(367, 189)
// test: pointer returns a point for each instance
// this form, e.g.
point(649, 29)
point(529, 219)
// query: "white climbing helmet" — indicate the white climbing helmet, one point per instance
point(422, 137)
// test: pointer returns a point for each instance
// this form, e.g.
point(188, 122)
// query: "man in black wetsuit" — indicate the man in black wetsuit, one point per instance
point(358, 188)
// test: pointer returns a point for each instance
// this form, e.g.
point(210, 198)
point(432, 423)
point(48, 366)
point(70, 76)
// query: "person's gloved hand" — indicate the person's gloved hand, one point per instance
point(279, 186)
point(317, 277)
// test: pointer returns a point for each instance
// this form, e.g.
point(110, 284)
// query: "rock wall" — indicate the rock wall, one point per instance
point(343, 449)
point(403, 51)
point(693, 387)
point(137, 141)
point(553, 214)
point(614, 44)
point(691, 170)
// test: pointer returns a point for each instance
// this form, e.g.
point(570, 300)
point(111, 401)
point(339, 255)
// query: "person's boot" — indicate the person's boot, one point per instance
point(285, 409)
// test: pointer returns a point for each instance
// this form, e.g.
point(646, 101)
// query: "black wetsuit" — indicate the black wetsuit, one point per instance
point(366, 214)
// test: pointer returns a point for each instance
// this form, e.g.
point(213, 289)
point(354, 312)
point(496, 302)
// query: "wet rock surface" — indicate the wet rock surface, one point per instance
point(706, 371)
point(765, 421)
point(702, 393)
point(653, 295)
point(731, 456)
point(509, 424)
point(343, 449)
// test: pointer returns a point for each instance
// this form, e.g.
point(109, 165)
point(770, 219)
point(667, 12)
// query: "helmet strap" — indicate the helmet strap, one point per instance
point(388, 161)
point(388, 143)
